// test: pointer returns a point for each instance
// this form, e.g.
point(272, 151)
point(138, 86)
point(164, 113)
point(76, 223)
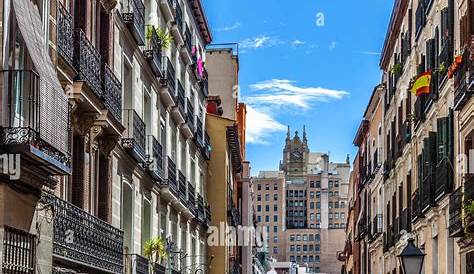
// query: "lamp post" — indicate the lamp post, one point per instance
point(411, 258)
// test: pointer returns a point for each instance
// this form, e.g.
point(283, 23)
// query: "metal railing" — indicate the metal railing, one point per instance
point(170, 77)
point(153, 52)
point(136, 264)
point(65, 39)
point(415, 206)
point(134, 17)
point(182, 188)
point(134, 135)
point(188, 39)
point(190, 115)
point(178, 18)
point(95, 243)
point(181, 99)
point(86, 61)
point(172, 177)
point(199, 137)
point(191, 198)
point(19, 251)
point(155, 154)
point(112, 93)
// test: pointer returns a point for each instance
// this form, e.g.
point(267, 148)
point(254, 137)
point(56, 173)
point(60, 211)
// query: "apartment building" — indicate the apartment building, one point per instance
point(109, 124)
point(424, 184)
point(303, 207)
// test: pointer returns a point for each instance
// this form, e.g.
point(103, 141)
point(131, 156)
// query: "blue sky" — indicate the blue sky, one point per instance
point(312, 62)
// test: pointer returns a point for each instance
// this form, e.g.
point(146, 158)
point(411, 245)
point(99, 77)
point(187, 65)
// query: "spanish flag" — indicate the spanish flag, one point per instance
point(422, 84)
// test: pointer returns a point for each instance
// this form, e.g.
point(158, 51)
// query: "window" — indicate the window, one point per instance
point(316, 259)
point(292, 238)
point(301, 193)
point(330, 185)
point(318, 216)
point(267, 208)
point(311, 194)
point(318, 193)
point(275, 239)
point(267, 218)
point(318, 184)
point(259, 218)
point(330, 216)
point(330, 225)
point(275, 250)
point(336, 204)
point(275, 197)
point(317, 248)
point(259, 197)
point(343, 204)
point(311, 237)
point(275, 218)
point(298, 237)
point(318, 205)
point(275, 207)
point(330, 204)
point(298, 248)
point(317, 237)
point(259, 187)
point(330, 193)
point(275, 229)
point(336, 215)
point(259, 208)
point(311, 216)
point(292, 258)
point(290, 193)
point(336, 183)
point(343, 216)
point(310, 258)
point(275, 186)
point(318, 225)
point(311, 205)
point(336, 193)
point(305, 259)
point(267, 197)
point(267, 186)
point(311, 183)
point(311, 248)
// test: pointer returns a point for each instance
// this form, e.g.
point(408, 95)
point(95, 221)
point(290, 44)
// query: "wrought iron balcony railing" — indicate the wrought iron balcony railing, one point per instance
point(428, 189)
point(152, 51)
point(201, 211)
point(415, 206)
point(170, 78)
point(199, 137)
point(134, 17)
point(444, 179)
point(183, 197)
point(362, 227)
point(65, 39)
point(405, 220)
point(136, 264)
point(178, 17)
point(191, 198)
point(234, 216)
point(207, 146)
point(445, 59)
point(204, 83)
point(154, 153)
point(181, 99)
point(464, 80)
point(96, 244)
point(159, 269)
point(86, 61)
point(112, 93)
point(459, 220)
point(134, 136)
point(21, 131)
point(377, 226)
point(172, 177)
point(19, 252)
point(190, 115)
point(188, 42)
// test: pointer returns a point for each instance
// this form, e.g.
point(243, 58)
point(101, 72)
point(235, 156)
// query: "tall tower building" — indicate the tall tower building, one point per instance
point(303, 206)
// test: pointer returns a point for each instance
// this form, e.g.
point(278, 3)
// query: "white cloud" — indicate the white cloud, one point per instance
point(259, 42)
point(260, 126)
point(279, 92)
point(332, 45)
point(369, 52)
point(297, 42)
point(235, 26)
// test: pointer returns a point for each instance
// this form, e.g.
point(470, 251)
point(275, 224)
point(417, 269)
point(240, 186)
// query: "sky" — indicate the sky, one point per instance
point(302, 62)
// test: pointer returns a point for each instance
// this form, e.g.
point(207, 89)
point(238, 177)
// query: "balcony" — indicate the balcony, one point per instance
point(416, 206)
point(22, 125)
point(112, 93)
point(463, 81)
point(86, 61)
point(427, 192)
point(168, 83)
point(445, 58)
point(362, 227)
point(65, 39)
point(97, 245)
point(376, 227)
point(172, 178)
point(154, 152)
point(152, 51)
point(133, 17)
point(167, 6)
point(177, 25)
point(234, 216)
point(182, 192)
point(192, 199)
point(201, 209)
point(459, 221)
point(136, 264)
point(19, 251)
point(186, 51)
point(405, 220)
point(206, 151)
point(188, 128)
point(396, 229)
point(203, 82)
point(179, 111)
point(444, 179)
point(199, 137)
point(134, 136)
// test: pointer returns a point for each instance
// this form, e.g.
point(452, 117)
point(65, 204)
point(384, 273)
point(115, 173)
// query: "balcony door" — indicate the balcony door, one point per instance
point(127, 217)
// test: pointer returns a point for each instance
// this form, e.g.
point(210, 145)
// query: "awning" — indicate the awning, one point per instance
point(54, 108)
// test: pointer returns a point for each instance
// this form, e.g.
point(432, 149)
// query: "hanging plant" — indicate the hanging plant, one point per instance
point(164, 38)
point(149, 31)
point(397, 69)
point(442, 68)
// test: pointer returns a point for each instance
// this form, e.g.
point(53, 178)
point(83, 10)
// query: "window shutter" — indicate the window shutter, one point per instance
point(442, 146)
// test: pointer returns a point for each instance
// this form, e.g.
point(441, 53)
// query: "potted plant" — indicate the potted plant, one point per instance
point(155, 251)
point(397, 69)
point(164, 38)
point(469, 218)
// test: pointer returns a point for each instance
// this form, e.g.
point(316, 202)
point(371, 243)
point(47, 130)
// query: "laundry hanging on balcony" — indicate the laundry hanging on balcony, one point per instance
point(54, 108)
point(422, 84)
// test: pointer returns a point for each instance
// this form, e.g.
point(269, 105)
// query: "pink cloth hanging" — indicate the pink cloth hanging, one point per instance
point(200, 66)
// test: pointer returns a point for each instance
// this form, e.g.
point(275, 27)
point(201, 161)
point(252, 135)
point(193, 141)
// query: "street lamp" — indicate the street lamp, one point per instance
point(411, 258)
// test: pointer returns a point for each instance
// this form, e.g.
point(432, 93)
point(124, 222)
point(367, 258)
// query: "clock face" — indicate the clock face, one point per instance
point(296, 156)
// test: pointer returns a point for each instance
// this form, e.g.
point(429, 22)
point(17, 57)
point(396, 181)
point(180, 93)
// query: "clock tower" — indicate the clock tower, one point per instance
point(295, 155)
